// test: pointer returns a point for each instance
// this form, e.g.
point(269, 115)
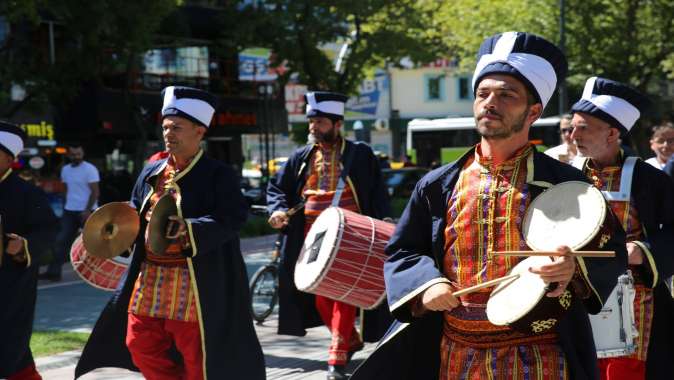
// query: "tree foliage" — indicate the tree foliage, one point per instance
point(91, 38)
point(376, 31)
point(463, 25)
point(622, 40)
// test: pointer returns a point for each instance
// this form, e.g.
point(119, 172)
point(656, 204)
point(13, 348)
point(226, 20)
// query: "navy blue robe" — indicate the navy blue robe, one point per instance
point(297, 310)
point(653, 196)
point(214, 210)
point(26, 212)
point(411, 347)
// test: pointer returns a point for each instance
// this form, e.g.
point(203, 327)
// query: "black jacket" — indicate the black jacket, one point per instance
point(214, 210)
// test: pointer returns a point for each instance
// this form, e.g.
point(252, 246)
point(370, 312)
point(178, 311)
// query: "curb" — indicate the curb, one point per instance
point(60, 360)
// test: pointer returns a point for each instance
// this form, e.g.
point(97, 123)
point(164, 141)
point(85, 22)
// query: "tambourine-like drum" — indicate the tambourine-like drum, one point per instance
point(571, 213)
point(613, 328)
point(101, 273)
point(522, 304)
point(343, 258)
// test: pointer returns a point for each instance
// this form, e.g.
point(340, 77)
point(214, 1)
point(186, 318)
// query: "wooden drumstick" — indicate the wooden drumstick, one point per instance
point(555, 253)
point(295, 209)
point(487, 284)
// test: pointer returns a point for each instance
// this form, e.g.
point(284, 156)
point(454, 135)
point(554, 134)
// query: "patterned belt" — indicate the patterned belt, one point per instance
point(469, 326)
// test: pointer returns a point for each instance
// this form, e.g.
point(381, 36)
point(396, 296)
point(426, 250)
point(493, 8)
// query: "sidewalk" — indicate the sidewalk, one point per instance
point(286, 357)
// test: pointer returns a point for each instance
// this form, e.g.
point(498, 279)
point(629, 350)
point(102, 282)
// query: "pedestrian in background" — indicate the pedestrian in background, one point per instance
point(29, 226)
point(566, 151)
point(81, 180)
point(662, 144)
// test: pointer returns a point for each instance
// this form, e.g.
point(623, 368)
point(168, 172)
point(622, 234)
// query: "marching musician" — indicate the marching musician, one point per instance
point(183, 313)
point(642, 197)
point(331, 170)
point(27, 225)
point(460, 213)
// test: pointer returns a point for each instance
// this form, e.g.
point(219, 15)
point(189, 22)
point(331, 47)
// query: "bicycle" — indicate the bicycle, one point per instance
point(264, 286)
point(264, 283)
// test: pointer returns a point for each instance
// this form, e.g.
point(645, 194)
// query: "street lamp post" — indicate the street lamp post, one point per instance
point(562, 46)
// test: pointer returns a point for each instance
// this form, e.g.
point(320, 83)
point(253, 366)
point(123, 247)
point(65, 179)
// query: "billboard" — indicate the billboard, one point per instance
point(372, 101)
point(254, 65)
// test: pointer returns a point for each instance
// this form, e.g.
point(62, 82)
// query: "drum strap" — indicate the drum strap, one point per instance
point(348, 157)
point(622, 195)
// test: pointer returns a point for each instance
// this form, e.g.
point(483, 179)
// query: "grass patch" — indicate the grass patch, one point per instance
point(256, 225)
point(44, 343)
point(397, 206)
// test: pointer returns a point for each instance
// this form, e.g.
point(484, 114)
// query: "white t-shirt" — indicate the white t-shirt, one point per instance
point(78, 179)
point(560, 152)
point(654, 161)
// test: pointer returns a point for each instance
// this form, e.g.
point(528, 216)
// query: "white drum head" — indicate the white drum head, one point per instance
point(515, 298)
point(318, 250)
point(570, 213)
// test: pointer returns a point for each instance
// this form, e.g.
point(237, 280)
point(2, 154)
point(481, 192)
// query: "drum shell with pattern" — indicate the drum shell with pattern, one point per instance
point(101, 273)
point(342, 258)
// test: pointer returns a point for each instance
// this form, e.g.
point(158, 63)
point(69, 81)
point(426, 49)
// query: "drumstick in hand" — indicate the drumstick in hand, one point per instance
point(555, 253)
point(487, 284)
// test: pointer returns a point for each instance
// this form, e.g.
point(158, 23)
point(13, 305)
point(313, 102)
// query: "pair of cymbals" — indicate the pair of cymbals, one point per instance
point(158, 235)
point(111, 230)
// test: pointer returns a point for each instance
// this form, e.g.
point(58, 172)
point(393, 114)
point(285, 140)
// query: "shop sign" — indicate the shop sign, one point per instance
point(42, 130)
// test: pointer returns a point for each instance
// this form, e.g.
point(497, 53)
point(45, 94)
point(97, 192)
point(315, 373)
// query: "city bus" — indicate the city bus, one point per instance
point(440, 141)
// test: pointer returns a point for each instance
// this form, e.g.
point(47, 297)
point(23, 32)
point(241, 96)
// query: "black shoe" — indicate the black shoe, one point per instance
point(49, 277)
point(336, 372)
point(353, 350)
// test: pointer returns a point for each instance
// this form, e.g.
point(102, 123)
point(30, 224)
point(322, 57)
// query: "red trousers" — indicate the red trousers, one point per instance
point(149, 341)
point(339, 318)
point(622, 369)
point(28, 373)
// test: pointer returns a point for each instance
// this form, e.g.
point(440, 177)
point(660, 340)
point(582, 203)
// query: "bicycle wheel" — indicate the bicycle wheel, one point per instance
point(264, 292)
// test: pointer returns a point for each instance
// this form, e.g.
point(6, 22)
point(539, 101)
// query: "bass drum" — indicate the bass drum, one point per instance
point(101, 273)
point(343, 258)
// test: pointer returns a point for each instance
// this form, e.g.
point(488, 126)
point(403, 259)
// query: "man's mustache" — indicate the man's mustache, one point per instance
point(486, 112)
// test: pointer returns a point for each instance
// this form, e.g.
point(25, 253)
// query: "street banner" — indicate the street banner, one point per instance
point(372, 101)
point(254, 65)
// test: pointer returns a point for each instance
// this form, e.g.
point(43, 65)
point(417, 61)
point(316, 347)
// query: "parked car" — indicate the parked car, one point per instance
point(400, 182)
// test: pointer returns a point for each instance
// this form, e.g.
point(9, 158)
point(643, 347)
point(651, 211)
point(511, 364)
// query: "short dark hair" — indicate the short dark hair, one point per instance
point(75, 145)
point(659, 129)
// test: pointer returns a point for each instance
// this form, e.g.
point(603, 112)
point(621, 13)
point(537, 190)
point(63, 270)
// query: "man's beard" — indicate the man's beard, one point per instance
point(503, 132)
point(328, 137)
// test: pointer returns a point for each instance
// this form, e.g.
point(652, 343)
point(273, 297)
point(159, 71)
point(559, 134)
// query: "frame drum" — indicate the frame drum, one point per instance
point(572, 213)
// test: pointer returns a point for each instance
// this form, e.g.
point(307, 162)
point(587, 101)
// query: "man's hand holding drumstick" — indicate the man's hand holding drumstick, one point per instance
point(278, 219)
point(561, 270)
point(440, 297)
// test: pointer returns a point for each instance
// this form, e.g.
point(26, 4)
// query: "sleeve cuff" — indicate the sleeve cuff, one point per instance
point(650, 261)
point(586, 279)
point(26, 252)
point(411, 295)
point(192, 240)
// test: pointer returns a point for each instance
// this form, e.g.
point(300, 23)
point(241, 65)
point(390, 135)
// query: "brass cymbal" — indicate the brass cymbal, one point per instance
point(110, 230)
point(156, 229)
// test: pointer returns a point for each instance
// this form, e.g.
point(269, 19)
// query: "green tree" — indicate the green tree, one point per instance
point(92, 41)
point(376, 32)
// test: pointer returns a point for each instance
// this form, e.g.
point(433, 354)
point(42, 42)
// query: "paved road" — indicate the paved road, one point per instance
point(73, 305)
